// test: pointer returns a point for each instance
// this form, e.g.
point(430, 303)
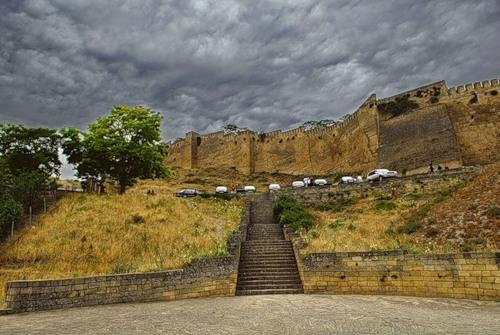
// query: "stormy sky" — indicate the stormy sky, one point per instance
point(258, 64)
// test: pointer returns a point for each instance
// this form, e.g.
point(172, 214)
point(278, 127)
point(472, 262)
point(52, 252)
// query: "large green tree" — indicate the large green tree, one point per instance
point(30, 157)
point(124, 145)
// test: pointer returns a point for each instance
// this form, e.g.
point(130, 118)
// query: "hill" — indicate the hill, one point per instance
point(451, 216)
point(89, 234)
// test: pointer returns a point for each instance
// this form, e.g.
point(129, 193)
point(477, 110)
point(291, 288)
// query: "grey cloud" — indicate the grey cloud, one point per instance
point(259, 64)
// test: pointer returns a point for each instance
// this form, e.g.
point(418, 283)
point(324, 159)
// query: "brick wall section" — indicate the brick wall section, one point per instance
point(467, 275)
point(204, 277)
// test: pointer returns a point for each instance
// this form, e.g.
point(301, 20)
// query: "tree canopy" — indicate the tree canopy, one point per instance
point(30, 157)
point(124, 145)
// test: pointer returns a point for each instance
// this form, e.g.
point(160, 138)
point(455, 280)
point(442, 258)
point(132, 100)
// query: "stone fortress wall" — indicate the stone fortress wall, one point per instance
point(455, 126)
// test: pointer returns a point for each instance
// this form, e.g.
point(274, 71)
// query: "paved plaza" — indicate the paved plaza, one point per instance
point(271, 314)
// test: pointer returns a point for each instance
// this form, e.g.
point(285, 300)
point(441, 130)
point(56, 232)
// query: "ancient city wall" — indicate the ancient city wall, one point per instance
point(467, 275)
point(455, 126)
point(412, 140)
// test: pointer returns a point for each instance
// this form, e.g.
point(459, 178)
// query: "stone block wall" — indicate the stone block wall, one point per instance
point(412, 140)
point(333, 193)
point(467, 275)
point(203, 277)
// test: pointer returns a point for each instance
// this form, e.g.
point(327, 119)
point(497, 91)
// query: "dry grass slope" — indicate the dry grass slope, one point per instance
point(90, 234)
point(472, 216)
point(455, 218)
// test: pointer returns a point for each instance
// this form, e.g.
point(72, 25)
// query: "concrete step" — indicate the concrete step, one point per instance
point(288, 262)
point(267, 281)
point(268, 286)
point(247, 278)
point(274, 259)
point(269, 291)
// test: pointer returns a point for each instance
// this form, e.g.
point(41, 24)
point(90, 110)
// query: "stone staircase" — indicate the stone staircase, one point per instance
point(267, 262)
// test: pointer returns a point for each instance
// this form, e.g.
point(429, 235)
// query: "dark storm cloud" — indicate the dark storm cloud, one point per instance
point(259, 64)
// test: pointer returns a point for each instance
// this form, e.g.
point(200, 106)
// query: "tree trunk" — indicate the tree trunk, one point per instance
point(122, 187)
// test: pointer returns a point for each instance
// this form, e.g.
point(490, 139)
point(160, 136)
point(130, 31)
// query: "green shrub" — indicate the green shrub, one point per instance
point(494, 211)
point(136, 219)
point(399, 106)
point(296, 218)
point(472, 206)
point(336, 224)
point(494, 92)
point(384, 205)
point(223, 196)
point(324, 207)
point(474, 99)
point(432, 231)
point(351, 227)
point(411, 225)
point(434, 100)
point(205, 195)
point(471, 244)
point(293, 214)
point(10, 210)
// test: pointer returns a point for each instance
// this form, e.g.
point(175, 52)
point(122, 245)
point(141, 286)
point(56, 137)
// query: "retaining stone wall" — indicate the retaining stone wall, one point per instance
point(204, 277)
point(467, 275)
point(315, 195)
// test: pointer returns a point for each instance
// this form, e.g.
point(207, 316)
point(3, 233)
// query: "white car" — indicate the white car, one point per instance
point(379, 174)
point(298, 184)
point(359, 179)
point(249, 189)
point(274, 187)
point(320, 182)
point(221, 189)
point(347, 180)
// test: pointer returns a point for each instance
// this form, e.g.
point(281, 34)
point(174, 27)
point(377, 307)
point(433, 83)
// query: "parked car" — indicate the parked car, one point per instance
point(249, 189)
point(188, 192)
point(379, 174)
point(298, 184)
point(274, 187)
point(221, 189)
point(347, 180)
point(320, 182)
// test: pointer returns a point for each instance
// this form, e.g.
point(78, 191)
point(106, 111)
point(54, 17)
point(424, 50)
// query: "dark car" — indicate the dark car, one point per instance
point(188, 192)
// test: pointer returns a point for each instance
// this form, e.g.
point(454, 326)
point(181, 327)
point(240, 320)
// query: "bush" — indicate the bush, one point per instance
point(336, 224)
point(411, 225)
point(432, 231)
point(399, 106)
point(494, 92)
point(10, 210)
point(434, 100)
point(384, 205)
point(293, 214)
point(494, 212)
point(474, 99)
point(136, 219)
point(296, 218)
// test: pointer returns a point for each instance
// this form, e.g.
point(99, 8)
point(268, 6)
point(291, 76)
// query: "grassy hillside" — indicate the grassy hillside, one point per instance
point(90, 234)
point(457, 217)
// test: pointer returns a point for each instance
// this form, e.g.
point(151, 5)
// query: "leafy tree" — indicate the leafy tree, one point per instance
point(10, 210)
point(124, 146)
point(29, 156)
